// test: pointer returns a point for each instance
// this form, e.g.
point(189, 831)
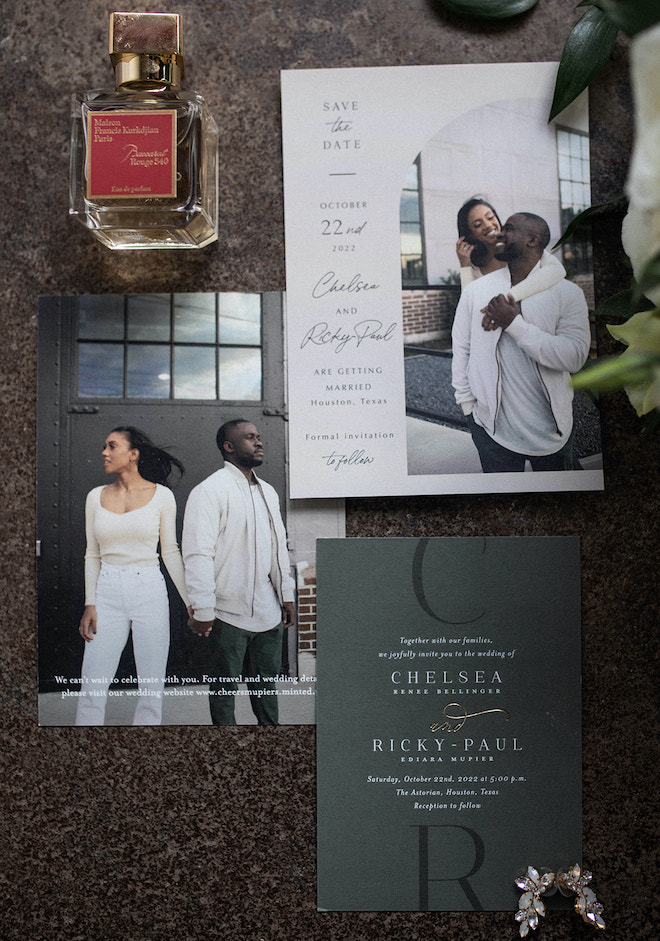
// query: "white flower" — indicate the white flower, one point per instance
point(641, 227)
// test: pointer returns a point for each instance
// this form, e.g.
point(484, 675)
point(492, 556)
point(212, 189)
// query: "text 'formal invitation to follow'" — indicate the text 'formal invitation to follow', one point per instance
point(449, 751)
point(377, 164)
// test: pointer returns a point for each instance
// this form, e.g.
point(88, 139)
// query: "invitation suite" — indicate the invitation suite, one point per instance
point(449, 753)
point(377, 163)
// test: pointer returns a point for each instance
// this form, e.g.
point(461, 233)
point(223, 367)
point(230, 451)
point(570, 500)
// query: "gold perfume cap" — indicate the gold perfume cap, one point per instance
point(146, 48)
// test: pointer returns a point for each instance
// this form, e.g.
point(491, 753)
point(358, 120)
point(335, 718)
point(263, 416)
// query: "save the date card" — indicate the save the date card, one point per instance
point(386, 351)
point(448, 719)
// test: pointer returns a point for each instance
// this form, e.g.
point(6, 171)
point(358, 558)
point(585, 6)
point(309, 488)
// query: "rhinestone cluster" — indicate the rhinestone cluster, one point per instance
point(586, 903)
point(530, 906)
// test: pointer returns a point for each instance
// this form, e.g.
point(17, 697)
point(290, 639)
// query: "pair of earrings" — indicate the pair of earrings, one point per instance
point(573, 880)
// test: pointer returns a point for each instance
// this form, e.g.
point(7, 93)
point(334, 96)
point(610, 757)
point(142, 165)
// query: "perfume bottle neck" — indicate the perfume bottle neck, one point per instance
point(144, 70)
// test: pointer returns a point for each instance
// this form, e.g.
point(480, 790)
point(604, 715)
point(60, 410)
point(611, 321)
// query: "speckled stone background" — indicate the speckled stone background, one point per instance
point(125, 834)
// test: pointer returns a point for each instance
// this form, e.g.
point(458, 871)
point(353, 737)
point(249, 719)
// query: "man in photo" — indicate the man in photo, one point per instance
point(512, 361)
point(238, 576)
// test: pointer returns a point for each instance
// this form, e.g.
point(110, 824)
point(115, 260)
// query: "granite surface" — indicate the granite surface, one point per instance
point(201, 833)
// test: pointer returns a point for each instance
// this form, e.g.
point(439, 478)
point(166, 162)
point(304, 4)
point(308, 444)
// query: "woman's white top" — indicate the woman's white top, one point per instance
point(132, 538)
point(548, 273)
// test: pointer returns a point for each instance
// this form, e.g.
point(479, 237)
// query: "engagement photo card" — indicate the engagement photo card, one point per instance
point(413, 197)
point(141, 522)
point(449, 719)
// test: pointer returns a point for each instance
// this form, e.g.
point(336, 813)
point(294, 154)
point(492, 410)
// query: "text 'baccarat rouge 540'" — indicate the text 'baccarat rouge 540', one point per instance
point(144, 154)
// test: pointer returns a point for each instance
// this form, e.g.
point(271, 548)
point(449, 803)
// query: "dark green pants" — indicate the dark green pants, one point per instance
point(496, 459)
point(239, 653)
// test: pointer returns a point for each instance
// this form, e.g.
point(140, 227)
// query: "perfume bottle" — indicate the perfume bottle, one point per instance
point(144, 155)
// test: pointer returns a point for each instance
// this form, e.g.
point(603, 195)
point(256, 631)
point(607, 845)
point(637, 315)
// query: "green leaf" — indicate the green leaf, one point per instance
point(582, 217)
point(646, 398)
point(587, 49)
point(616, 372)
point(623, 305)
point(641, 332)
point(490, 9)
point(632, 16)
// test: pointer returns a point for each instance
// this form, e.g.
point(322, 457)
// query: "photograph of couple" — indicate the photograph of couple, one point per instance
point(171, 564)
point(495, 321)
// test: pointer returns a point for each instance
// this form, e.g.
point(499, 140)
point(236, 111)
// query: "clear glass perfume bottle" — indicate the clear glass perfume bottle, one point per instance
point(144, 154)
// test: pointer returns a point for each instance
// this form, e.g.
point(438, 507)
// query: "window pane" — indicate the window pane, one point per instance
point(573, 163)
point(409, 207)
point(580, 192)
point(411, 240)
point(240, 318)
point(194, 372)
point(566, 192)
point(412, 182)
point(148, 372)
point(563, 142)
point(576, 169)
point(194, 318)
point(101, 317)
point(410, 219)
point(564, 163)
point(412, 268)
point(240, 374)
point(576, 145)
point(149, 317)
point(101, 370)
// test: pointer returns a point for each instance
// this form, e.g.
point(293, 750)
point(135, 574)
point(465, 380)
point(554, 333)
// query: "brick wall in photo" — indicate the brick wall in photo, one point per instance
point(307, 609)
point(428, 314)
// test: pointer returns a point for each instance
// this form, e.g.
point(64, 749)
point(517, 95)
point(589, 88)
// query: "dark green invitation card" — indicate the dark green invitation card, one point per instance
point(448, 719)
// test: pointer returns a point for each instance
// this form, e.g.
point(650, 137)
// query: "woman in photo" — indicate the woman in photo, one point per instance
point(125, 591)
point(478, 229)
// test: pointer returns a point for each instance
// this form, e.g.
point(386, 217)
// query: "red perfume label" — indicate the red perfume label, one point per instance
point(131, 154)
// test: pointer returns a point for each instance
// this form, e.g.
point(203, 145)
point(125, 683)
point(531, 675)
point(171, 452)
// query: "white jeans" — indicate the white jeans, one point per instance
point(128, 598)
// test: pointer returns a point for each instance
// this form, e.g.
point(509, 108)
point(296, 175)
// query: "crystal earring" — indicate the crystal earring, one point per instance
point(530, 906)
point(576, 880)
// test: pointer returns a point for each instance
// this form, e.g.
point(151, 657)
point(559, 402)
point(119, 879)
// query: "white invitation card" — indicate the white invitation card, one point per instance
point(377, 163)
